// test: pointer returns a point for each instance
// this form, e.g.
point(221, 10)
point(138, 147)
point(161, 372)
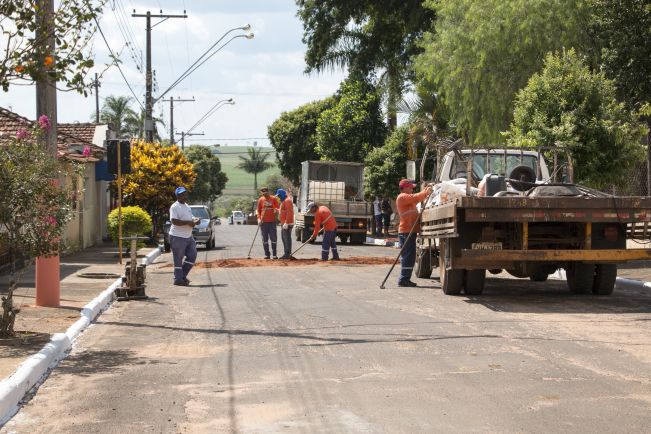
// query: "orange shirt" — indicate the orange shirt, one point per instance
point(287, 212)
point(266, 209)
point(323, 216)
point(406, 205)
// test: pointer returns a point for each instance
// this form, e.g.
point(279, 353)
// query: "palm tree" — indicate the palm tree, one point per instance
point(254, 163)
point(135, 125)
point(117, 111)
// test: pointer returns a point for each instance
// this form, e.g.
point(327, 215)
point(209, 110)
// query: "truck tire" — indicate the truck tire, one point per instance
point(539, 275)
point(209, 244)
point(604, 279)
point(357, 239)
point(423, 266)
point(580, 277)
point(451, 280)
point(297, 233)
point(343, 238)
point(475, 280)
point(167, 246)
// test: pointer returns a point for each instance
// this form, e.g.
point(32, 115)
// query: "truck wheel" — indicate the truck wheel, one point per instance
point(451, 280)
point(357, 239)
point(209, 244)
point(475, 280)
point(580, 277)
point(167, 246)
point(604, 279)
point(423, 266)
point(306, 236)
point(297, 233)
point(343, 238)
point(540, 275)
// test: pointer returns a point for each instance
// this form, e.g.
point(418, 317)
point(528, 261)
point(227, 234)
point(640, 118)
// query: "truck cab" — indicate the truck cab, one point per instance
point(502, 162)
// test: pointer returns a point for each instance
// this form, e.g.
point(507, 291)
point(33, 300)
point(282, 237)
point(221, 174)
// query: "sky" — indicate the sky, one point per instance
point(264, 75)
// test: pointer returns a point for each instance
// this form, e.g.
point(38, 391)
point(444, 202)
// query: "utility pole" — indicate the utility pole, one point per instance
point(171, 101)
point(96, 84)
point(48, 277)
point(149, 100)
point(183, 135)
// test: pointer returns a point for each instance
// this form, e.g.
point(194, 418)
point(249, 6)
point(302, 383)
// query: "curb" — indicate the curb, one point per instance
point(380, 242)
point(33, 370)
point(624, 283)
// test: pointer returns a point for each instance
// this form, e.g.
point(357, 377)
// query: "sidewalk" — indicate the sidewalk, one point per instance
point(35, 325)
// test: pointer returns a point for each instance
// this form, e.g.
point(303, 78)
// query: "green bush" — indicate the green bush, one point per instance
point(135, 222)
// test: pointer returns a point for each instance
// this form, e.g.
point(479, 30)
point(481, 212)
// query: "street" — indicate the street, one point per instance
point(321, 348)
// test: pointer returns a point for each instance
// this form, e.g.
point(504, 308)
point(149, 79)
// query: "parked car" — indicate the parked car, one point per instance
point(203, 233)
point(238, 218)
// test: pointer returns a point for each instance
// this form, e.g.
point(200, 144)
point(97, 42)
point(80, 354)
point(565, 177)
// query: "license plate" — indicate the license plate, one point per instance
point(487, 246)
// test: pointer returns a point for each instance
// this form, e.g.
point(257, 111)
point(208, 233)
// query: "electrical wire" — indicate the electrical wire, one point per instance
point(117, 64)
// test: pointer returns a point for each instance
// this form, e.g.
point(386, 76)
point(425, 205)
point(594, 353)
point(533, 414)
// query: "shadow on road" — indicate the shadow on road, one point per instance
point(92, 362)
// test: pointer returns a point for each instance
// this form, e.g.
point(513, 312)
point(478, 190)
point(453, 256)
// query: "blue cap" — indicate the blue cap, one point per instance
point(282, 194)
point(179, 190)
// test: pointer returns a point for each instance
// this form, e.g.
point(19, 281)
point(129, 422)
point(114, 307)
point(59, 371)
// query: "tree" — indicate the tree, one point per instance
point(349, 130)
point(33, 211)
point(483, 52)
point(156, 171)
point(73, 24)
point(365, 38)
point(254, 163)
point(135, 126)
point(623, 28)
point(385, 166)
point(210, 180)
point(117, 111)
point(276, 181)
point(293, 136)
point(569, 107)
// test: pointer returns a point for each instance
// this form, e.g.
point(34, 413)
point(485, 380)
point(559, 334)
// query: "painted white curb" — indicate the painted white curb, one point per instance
point(32, 370)
point(380, 242)
point(622, 282)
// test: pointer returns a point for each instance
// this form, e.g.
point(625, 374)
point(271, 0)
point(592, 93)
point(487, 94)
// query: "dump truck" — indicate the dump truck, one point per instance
point(526, 221)
point(339, 185)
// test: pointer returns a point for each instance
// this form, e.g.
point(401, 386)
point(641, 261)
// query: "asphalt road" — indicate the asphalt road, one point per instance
point(322, 349)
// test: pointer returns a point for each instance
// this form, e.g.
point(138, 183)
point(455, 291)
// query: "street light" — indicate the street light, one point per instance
point(210, 112)
point(201, 59)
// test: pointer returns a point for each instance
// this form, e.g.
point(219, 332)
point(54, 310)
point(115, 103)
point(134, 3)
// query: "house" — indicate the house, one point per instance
point(88, 225)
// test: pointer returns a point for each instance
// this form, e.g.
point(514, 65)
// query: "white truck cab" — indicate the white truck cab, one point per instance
point(504, 162)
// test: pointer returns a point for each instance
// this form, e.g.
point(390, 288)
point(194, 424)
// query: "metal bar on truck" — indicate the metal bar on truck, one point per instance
point(489, 257)
point(588, 235)
point(525, 235)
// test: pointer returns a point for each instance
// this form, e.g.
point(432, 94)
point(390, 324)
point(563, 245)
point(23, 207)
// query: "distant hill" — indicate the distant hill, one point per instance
point(240, 182)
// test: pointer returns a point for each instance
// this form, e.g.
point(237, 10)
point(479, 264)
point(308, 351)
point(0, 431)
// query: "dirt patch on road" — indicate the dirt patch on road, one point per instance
point(244, 262)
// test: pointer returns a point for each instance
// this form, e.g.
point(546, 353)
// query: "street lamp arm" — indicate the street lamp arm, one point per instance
point(210, 112)
point(194, 66)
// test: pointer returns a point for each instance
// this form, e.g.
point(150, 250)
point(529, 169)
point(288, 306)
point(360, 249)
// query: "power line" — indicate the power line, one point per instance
point(243, 138)
point(117, 64)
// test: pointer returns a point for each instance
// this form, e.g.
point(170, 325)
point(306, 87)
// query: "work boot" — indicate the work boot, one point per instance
point(407, 283)
point(181, 283)
point(275, 257)
point(267, 257)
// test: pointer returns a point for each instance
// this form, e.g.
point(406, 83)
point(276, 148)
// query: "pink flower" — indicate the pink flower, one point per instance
point(21, 134)
point(44, 122)
point(86, 151)
point(50, 220)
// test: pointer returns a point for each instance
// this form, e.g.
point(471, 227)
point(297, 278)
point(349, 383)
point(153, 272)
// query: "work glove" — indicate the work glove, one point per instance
point(285, 226)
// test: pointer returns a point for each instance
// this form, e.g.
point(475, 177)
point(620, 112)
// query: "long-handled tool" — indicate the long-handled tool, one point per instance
point(308, 240)
point(405, 244)
point(253, 242)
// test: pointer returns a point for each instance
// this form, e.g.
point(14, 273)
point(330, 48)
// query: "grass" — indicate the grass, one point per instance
point(239, 182)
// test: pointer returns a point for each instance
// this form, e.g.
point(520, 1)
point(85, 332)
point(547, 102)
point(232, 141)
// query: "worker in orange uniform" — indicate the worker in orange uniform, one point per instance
point(323, 216)
point(406, 204)
point(286, 213)
point(267, 209)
